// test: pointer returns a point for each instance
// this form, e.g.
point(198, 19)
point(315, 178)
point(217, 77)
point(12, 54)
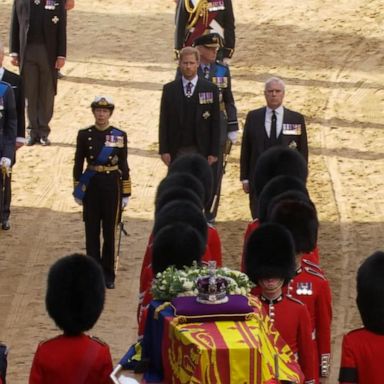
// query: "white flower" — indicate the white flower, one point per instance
point(188, 285)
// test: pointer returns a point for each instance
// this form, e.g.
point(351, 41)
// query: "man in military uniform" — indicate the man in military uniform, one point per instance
point(74, 300)
point(8, 129)
point(215, 71)
point(270, 263)
point(363, 348)
point(15, 81)
point(198, 17)
point(105, 186)
point(308, 285)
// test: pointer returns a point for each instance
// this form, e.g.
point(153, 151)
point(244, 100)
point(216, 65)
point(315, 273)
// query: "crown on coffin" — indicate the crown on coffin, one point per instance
point(212, 288)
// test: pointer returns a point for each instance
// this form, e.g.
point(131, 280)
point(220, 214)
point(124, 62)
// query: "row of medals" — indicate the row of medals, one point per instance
point(49, 4)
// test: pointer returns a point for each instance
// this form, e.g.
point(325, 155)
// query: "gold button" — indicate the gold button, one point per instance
point(107, 172)
point(91, 157)
point(90, 147)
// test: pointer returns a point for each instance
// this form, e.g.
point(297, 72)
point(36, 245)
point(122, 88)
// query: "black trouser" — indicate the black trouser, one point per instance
point(102, 211)
point(39, 90)
point(6, 199)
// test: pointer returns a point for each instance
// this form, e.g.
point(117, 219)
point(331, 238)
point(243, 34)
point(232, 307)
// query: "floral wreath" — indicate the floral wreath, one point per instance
point(174, 282)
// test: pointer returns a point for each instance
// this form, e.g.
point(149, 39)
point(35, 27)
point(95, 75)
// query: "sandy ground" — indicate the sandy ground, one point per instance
point(331, 57)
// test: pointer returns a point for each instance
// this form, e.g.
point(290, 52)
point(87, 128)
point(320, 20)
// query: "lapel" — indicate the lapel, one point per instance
point(179, 98)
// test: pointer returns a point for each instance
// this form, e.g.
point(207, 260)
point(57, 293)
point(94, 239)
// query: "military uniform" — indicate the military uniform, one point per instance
point(295, 329)
point(72, 360)
point(105, 181)
point(312, 288)
point(198, 17)
point(8, 129)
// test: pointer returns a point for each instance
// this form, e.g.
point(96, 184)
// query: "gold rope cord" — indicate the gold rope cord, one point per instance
point(200, 9)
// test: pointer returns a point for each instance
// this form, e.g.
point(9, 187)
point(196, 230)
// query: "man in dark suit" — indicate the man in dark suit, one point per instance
point(15, 81)
point(189, 113)
point(266, 127)
point(199, 17)
point(38, 47)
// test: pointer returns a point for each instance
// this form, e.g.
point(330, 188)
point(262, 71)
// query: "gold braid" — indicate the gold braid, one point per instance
point(200, 9)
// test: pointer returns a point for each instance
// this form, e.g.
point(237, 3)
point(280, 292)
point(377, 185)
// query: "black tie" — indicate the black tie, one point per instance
point(273, 137)
point(188, 89)
point(206, 71)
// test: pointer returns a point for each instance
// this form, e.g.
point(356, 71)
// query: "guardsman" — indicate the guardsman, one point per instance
point(362, 351)
point(15, 81)
point(8, 129)
point(219, 74)
point(309, 284)
point(74, 300)
point(270, 263)
point(105, 186)
point(199, 17)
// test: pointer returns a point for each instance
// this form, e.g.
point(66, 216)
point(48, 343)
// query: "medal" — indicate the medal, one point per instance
point(304, 289)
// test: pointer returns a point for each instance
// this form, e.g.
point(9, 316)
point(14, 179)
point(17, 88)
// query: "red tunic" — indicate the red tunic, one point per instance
point(71, 360)
point(312, 288)
point(362, 357)
point(291, 318)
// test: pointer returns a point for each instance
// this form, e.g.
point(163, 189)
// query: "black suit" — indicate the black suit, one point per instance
point(38, 37)
point(255, 141)
point(15, 81)
point(205, 122)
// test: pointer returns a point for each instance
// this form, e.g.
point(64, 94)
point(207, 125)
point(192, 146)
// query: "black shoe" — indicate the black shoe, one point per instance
point(6, 226)
point(110, 285)
point(32, 141)
point(44, 141)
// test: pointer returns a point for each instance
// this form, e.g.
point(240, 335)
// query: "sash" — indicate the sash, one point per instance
point(201, 24)
point(87, 175)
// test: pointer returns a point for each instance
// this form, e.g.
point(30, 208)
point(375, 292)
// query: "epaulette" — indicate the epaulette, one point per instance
point(294, 299)
point(312, 264)
point(97, 339)
point(312, 271)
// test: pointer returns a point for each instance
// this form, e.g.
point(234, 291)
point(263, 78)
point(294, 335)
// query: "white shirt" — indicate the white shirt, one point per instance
point(1, 73)
point(185, 82)
point(279, 112)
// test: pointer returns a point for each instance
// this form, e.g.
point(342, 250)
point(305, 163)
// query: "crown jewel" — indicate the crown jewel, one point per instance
point(212, 288)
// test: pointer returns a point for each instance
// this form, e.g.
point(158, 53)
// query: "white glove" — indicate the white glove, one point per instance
point(227, 61)
point(232, 136)
point(78, 201)
point(6, 164)
point(124, 202)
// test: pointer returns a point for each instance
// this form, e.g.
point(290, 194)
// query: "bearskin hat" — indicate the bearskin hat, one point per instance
point(198, 166)
point(270, 253)
point(178, 193)
point(274, 187)
point(297, 213)
point(177, 244)
point(278, 161)
point(179, 180)
point(182, 211)
point(75, 293)
point(370, 292)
